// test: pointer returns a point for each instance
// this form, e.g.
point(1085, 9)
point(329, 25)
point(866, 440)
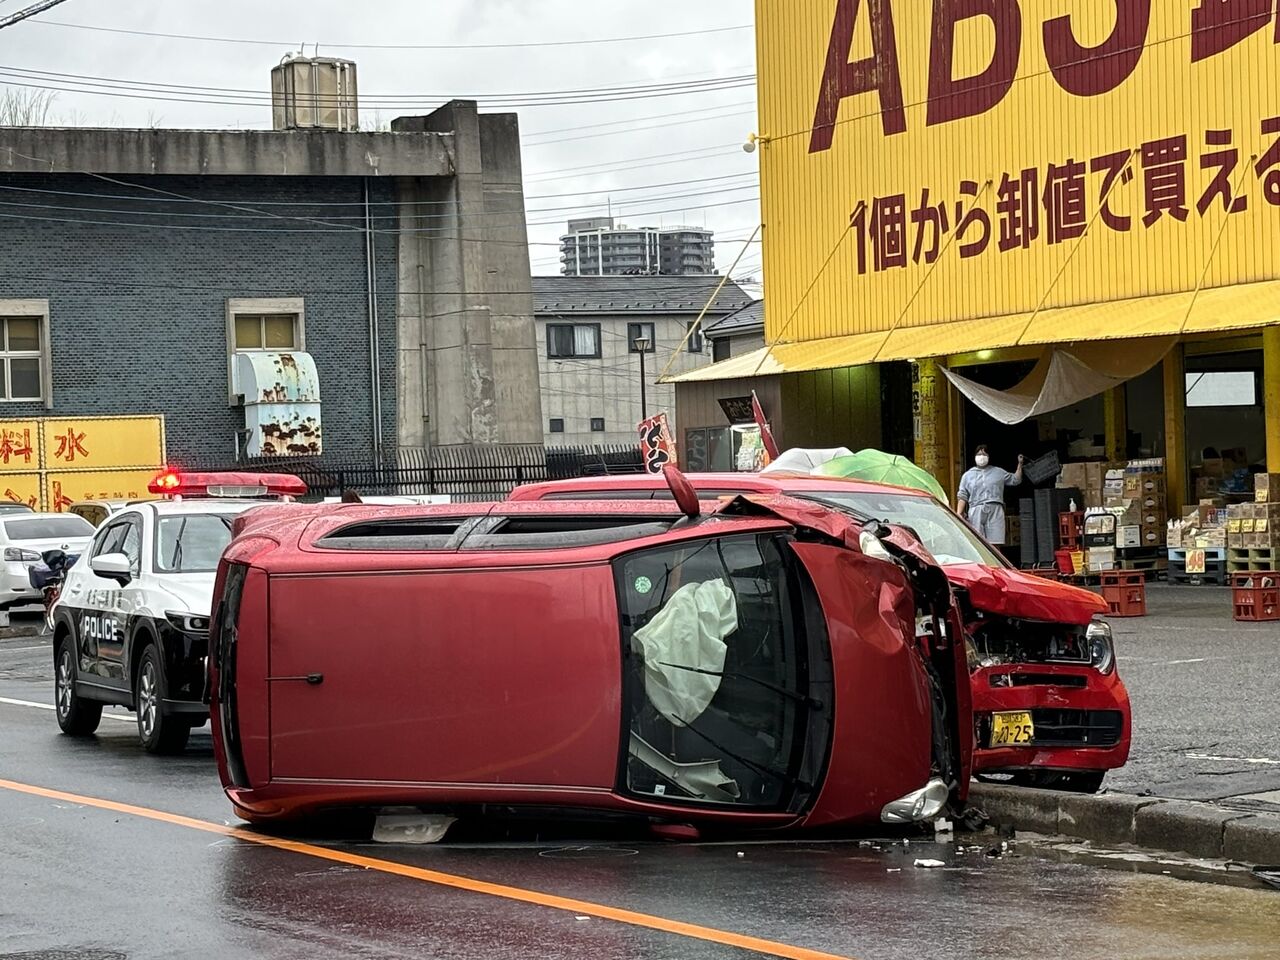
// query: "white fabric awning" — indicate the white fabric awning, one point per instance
point(1064, 376)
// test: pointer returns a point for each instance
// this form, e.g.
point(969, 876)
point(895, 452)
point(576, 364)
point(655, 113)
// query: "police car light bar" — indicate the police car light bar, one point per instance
point(175, 483)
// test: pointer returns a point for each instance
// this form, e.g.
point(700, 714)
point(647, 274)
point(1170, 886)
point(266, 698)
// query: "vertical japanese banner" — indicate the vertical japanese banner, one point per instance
point(766, 435)
point(657, 449)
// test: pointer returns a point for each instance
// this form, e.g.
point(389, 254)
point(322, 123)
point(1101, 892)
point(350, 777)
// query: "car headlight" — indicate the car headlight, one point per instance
point(921, 805)
point(871, 546)
point(187, 622)
point(1102, 651)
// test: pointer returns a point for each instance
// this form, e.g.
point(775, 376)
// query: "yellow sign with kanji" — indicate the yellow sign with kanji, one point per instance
point(62, 489)
point(21, 488)
point(930, 162)
point(19, 446)
point(102, 443)
point(49, 463)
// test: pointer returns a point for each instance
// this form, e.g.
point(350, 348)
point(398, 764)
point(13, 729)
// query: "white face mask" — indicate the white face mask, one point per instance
point(982, 459)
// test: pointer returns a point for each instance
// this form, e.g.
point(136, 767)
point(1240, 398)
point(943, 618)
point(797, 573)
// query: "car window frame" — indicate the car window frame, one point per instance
point(157, 568)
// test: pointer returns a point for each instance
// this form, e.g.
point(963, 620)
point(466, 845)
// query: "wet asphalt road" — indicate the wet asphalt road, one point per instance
point(1205, 694)
point(91, 883)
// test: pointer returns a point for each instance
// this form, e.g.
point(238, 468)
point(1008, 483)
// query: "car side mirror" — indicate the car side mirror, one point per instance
point(113, 566)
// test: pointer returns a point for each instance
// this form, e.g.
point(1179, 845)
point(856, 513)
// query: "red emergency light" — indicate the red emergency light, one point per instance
point(176, 483)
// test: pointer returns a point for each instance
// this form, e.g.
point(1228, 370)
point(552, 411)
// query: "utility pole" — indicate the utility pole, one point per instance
point(30, 11)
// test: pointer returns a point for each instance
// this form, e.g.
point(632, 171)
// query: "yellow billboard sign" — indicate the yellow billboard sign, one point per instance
point(19, 446)
point(933, 162)
point(21, 488)
point(62, 489)
point(102, 443)
point(49, 463)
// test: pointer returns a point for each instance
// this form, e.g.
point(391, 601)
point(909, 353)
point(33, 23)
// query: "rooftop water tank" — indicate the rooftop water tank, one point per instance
point(314, 93)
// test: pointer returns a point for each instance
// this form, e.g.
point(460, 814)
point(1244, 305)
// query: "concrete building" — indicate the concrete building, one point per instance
point(599, 247)
point(142, 269)
point(589, 366)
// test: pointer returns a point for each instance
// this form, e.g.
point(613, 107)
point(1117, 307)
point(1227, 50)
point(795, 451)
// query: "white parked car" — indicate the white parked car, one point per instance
point(24, 537)
point(131, 626)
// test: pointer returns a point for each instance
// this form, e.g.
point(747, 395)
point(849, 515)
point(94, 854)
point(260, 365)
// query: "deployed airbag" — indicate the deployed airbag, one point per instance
point(684, 650)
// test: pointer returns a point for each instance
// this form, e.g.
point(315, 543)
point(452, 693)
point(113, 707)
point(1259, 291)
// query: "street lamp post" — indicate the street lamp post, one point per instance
point(642, 346)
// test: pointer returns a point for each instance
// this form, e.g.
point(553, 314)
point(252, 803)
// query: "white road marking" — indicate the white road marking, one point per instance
point(1257, 760)
point(1197, 660)
point(126, 718)
point(43, 646)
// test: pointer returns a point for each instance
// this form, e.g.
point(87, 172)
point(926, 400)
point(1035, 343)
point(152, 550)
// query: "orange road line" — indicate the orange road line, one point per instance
point(579, 907)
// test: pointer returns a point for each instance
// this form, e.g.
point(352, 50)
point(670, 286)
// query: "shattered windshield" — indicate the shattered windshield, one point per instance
point(943, 534)
point(716, 679)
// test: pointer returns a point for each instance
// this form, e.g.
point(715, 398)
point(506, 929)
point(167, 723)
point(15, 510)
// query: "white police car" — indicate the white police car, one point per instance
point(131, 626)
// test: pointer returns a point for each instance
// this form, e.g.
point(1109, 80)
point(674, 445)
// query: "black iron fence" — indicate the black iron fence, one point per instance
point(464, 474)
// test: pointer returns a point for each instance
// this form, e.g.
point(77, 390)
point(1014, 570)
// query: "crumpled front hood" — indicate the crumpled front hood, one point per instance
point(1012, 593)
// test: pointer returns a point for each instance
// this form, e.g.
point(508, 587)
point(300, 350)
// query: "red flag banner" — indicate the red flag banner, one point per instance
point(766, 435)
point(657, 449)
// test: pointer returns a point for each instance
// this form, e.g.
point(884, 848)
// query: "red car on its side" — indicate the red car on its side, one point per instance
point(1050, 709)
point(767, 664)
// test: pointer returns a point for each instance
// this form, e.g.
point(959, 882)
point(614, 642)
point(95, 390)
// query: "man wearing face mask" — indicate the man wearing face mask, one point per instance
point(981, 495)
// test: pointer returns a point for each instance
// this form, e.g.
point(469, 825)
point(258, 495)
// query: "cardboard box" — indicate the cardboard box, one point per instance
point(1128, 515)
point(1152, 534)
point(1074, 475)
point(1211, 539)
point(1141, 484)
point(1212, 467)
point(1266, 511)
point(1128, 537)
point(1013, 531)
point(1096, 472)
point(1266, 487)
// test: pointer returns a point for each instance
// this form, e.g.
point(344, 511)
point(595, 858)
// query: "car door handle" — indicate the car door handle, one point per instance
point(315, 679)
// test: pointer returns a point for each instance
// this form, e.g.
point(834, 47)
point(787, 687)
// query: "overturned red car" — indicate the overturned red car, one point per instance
point(1049, 707)
point(768, 663)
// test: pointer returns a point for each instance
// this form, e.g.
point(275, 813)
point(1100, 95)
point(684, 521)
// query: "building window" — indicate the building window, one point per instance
point(263, 325)
point(557, 424)
point(720, 350)
point(24, 349)
point(597, 424)
point(569, 340)
point(695, 337)
point(265, 331)
point(636, 331)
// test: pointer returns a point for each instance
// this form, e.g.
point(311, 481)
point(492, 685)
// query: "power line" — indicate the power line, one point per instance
point(325, 204)
point(238, 287)
point(345, 228)
point(289, 44)
point(231, 96)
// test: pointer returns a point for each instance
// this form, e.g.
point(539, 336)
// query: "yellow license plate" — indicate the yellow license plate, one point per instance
point(1012, 729)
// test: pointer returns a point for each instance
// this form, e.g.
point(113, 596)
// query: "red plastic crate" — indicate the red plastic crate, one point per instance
point(1255, 596)
point(1125, 592)
point(1070, 529)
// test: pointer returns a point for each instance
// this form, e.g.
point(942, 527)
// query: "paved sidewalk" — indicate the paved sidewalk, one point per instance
point(1206, 700)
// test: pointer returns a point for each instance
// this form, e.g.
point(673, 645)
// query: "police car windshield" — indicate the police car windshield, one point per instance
point(191, 543)
point(943, 534)
point(48, 528)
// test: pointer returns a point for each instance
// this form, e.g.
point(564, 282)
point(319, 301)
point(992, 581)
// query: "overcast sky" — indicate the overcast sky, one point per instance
point(712, 125)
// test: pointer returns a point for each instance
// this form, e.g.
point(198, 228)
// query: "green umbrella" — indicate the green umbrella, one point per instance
point(880, 467)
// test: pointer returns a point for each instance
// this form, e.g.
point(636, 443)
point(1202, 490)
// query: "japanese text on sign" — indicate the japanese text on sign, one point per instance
point(1062, 202)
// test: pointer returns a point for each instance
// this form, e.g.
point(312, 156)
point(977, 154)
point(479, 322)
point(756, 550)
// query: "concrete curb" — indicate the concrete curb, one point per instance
point(1203, 830)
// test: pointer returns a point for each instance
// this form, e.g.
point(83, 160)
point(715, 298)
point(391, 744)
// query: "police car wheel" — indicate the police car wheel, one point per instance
point(158, 733)
point(77, 717)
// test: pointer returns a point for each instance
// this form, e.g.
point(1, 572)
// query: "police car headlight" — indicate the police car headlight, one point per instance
point(188, 622)
point(1101, 646)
